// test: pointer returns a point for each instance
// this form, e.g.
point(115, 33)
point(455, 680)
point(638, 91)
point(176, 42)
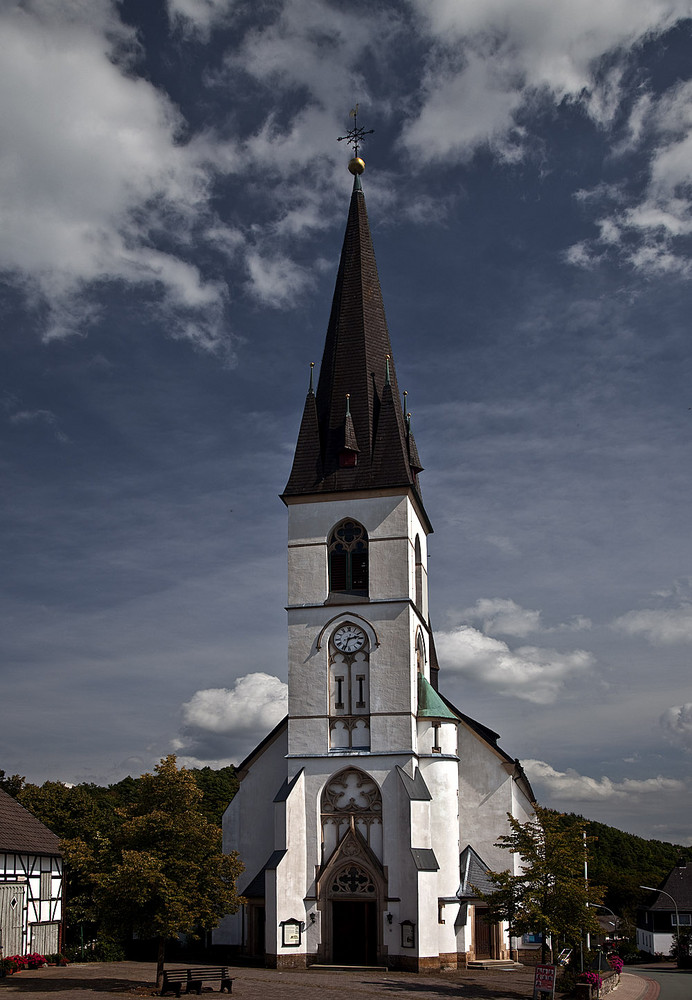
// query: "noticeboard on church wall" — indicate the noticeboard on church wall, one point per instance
point(291, 931)
point(408, 934)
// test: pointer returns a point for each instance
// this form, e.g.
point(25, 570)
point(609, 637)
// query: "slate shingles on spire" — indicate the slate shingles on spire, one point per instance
point(355, 363)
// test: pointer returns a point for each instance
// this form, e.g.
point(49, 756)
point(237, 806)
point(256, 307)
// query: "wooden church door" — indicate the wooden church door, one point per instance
point(354, 932)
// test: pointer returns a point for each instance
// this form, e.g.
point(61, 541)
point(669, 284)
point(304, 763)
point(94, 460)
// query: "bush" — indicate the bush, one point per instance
point(107, 950)
point(566, 982)
point(103, 949)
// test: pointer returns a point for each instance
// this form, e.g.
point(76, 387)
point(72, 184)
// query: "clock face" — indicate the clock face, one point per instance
point(349, 638)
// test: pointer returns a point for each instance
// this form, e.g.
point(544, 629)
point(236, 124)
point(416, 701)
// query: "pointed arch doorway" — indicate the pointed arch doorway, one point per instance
point(354, 932)
point(351, 887)
point(353, 904)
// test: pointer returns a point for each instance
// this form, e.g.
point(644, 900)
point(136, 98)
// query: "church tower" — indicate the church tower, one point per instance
point(348, 818)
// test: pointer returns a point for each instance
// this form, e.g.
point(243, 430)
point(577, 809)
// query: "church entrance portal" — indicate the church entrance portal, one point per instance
point(483, 935)
point(354, 932)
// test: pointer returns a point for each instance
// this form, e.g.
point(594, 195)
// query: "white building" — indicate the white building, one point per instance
point(365, 819)
point(31, 883)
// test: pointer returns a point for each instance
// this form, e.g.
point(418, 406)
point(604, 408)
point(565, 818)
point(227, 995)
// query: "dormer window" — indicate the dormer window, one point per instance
point(348, 559)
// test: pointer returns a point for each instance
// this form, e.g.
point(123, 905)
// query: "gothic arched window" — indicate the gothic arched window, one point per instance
point(351, 796)
point(348, 559)
point(419, 575)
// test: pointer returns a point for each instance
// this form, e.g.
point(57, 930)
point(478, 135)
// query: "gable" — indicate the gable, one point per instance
point(21, 832)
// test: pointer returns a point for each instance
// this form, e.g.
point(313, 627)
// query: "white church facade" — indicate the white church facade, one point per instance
point(366, 818)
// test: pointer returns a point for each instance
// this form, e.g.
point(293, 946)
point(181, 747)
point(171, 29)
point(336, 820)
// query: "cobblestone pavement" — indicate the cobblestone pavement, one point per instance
point(99, 981)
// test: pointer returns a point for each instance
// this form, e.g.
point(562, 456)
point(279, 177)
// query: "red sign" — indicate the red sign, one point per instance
point(544, 979)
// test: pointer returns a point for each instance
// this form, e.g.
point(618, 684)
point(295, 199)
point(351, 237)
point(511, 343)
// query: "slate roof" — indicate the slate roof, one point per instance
point(424, 859)
point(415, 787)
point(256, 887)
point(474, 872)
point(677, 884)
point(357, 363)
point(490, 737)
point(21, 832)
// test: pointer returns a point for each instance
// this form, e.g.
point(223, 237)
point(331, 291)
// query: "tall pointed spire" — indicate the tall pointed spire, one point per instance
point(357, 363)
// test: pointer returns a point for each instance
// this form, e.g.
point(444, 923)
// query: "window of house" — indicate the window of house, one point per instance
point(683, 919)
point(348, 559)
point(46, 885)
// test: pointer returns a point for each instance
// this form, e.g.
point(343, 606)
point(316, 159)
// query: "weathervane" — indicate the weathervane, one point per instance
point(354, 137)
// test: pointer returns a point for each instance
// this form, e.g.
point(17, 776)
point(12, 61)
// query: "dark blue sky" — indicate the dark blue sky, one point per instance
point(172, 199)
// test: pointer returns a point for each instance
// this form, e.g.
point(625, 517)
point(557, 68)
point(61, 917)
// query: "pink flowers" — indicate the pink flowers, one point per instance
point(592, 978)
point(616, 963)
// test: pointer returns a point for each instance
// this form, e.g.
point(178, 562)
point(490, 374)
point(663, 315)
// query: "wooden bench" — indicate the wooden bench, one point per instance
point(192, 979)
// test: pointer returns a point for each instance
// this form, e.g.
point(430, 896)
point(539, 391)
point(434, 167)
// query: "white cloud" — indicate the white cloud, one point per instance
point(197, 17)
point(659, 625)
point(570, 786)
point(222, 724)
point(256, 702)
point(676, 723)
point(316, 45)
point(648, 232)
point(528, 672)
point(93, 168)
point(276, 281)
point(500, 614)
point(490, 61)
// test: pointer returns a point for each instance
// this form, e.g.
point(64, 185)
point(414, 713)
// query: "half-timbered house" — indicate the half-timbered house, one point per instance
point(31, 882)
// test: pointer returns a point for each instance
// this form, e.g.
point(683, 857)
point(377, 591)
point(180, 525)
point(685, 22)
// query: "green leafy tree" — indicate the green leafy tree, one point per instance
point(11, 783)
point(79, 817)
point(549, 894)
point(162, 873)
point(218, 788)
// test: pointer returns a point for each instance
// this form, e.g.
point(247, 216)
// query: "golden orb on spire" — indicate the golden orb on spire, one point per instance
point(356, 165)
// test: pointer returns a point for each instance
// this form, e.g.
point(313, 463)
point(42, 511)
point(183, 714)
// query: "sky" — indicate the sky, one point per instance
point(172, 204)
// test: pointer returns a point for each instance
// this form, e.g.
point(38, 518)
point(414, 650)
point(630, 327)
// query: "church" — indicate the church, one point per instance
point(368, 815)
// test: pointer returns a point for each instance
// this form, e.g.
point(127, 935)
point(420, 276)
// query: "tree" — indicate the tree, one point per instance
point(11, 783)
point(79, 817)
point(219, 787)
point(162, 872)
point(549, 894)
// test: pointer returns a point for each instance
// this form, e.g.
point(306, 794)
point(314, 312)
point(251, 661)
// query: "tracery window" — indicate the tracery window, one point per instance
point(351, 796)
point(353, 881)
point(348, 559)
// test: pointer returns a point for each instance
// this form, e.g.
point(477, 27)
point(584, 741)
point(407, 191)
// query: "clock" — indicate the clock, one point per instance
point(349, 638)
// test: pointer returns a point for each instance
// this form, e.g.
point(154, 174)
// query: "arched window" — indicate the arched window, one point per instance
point(351, 796)
point(419, 575)
point(420, 652)
point(348, 559)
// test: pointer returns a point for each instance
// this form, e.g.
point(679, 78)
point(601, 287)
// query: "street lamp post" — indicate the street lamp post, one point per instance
point(602, 906)
point(650, 888)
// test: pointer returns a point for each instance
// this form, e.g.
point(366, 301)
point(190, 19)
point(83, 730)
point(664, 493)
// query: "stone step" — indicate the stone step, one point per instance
point(347, 968)
point(493, 963)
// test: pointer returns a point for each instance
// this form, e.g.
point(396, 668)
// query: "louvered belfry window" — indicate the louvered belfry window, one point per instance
point(348, 559)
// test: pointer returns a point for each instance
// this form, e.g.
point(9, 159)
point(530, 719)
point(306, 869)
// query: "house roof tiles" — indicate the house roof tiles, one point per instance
point(21, 832)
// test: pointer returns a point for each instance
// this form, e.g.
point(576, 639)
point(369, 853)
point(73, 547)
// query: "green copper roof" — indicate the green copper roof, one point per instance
point(430, 705)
